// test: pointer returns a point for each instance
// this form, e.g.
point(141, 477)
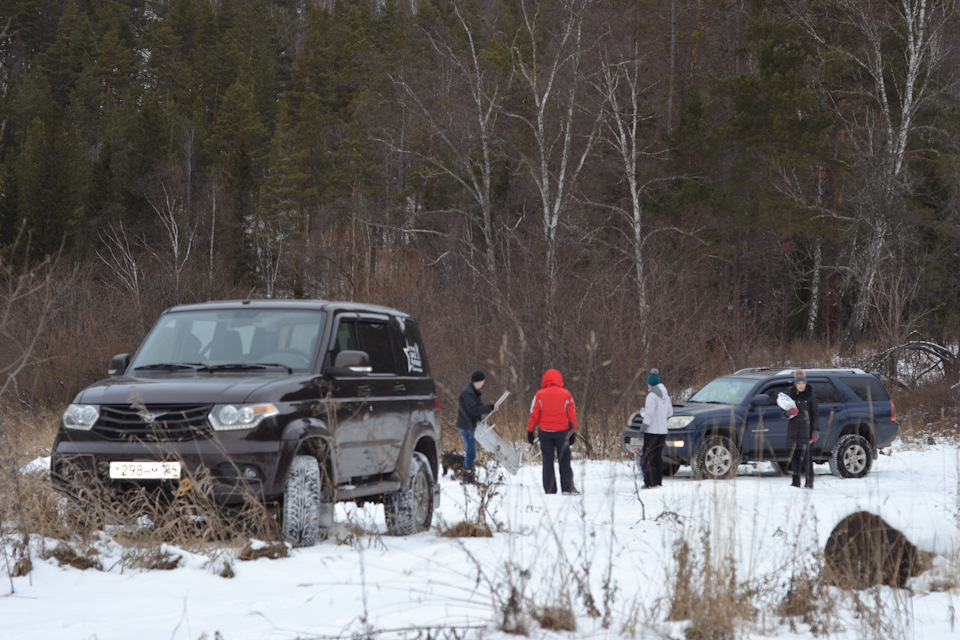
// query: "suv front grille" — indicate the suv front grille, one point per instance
point(158, 423)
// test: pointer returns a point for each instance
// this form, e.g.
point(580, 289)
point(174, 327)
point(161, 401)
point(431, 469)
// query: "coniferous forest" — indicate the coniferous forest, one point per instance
point(593, 185)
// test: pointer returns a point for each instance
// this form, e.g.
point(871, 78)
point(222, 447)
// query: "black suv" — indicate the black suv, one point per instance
point(294, 403)
point(735, 418)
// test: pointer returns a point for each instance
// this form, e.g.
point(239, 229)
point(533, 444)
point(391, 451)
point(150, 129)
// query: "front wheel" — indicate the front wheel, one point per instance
point(307, 503)
point(410, 509)
point(716, 459)
point(852, 457)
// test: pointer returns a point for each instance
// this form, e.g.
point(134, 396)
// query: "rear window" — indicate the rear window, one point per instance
point(867, 388)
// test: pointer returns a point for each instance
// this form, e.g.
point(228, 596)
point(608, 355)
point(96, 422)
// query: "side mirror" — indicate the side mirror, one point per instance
point(351, 363)
point(119, 364)
point(760, 400)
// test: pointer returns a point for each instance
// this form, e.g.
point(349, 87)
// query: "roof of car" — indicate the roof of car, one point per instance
point(780, 371)
point(282, 303)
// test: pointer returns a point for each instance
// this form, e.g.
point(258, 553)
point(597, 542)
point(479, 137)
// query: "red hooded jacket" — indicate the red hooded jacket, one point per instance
point(553, 408)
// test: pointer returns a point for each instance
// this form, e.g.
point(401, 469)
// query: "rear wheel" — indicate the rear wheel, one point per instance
point(410, 509)
point(852, 457)
point(716, 459)
point(307, 503)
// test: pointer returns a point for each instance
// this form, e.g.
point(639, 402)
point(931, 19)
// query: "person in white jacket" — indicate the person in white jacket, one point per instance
point(658, 409)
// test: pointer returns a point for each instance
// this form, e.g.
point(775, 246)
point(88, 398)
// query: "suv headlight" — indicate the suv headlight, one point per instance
point(81, 416)
point(227, 417)
point(678, 422)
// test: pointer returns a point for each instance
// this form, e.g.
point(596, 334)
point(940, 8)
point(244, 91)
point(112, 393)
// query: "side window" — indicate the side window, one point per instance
point(867, 388)
point(375, 340)
point(825, 391)
point(775, 390)
point(345, 340)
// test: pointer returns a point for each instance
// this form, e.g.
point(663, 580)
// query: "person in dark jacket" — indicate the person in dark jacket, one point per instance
point(803, 429)
point(555, 415)
point(470, 410)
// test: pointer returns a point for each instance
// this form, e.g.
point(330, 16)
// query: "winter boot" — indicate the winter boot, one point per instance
point(796, 482)
point(809, 483)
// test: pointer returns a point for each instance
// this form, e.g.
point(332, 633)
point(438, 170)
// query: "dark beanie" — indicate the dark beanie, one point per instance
point(654, 378)
point(478, 376)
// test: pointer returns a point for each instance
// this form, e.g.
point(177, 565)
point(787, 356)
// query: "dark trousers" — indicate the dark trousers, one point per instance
point(653, 444)
point(556, 444)
point(802, 462)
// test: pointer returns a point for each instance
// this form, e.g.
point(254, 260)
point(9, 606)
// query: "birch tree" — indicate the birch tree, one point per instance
point(460, 116)
point(623, 89)
point(550, 61)
point(895, 52)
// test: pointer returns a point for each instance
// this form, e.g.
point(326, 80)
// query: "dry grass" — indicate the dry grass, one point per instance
point(466, 530)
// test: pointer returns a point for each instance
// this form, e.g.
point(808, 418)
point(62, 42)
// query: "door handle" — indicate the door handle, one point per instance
point(399, 388)
point(364, 389)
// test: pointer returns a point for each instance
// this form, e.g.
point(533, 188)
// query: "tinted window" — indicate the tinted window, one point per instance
point(375, 340)
point(775, 390)
point(867, 388)
point(825, 391)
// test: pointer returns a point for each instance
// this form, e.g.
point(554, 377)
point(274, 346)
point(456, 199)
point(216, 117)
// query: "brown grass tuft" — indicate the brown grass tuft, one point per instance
point(556, 619)
point(467, 530)
point(272, 550)
point(65, 554)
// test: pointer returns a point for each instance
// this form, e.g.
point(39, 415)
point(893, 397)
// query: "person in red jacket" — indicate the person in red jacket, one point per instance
point(555, 414)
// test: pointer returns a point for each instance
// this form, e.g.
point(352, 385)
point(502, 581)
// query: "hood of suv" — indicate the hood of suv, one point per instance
point(702, 408)
point(180, 389)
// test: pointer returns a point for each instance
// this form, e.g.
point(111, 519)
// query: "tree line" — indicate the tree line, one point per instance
point(596, 185)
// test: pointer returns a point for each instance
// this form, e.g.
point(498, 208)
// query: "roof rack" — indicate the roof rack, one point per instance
point(781, 371)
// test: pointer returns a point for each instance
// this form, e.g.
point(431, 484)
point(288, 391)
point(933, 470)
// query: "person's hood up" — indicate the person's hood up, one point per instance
point(552, 378)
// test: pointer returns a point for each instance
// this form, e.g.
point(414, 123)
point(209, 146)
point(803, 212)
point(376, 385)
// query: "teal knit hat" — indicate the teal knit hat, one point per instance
point(654, 378)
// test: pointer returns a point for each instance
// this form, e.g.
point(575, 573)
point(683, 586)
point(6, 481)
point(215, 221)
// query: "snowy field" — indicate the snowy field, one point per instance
point(608, 556)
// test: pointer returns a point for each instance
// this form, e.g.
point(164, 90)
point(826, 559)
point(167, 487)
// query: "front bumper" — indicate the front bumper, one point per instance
point(230, 472)
point(678, 447)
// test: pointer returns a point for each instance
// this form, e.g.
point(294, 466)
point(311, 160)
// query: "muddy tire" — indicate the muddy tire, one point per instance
point(409, 510)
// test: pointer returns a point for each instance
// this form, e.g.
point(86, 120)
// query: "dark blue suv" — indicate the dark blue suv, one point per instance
point(735, 418)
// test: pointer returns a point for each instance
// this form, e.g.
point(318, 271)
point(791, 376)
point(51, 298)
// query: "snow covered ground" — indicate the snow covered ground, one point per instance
point(608, 556)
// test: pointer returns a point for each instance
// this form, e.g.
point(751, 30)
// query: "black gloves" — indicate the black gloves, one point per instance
point(530, 437)
point(573, 437)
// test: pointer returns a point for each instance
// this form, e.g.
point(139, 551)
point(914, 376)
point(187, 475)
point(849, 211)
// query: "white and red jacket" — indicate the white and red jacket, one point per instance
point(553, 408)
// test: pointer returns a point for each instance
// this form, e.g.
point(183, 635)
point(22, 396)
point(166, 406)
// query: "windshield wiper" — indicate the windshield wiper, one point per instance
point(247, 366)
point(171, 366)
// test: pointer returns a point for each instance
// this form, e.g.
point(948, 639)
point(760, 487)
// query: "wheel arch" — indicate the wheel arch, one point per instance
point(308, 436)
point(860, 429)
point(421, 438)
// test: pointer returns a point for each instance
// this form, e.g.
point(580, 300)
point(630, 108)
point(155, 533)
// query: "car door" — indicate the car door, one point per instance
point(383, 434)
point(767, 430)
point(831, 411)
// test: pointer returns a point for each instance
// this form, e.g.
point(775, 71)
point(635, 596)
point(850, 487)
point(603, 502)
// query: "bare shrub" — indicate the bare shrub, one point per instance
point(707, 592)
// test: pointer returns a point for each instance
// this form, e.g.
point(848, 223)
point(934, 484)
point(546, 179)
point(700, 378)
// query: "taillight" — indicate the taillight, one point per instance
point(893, 412)
point(436, 403)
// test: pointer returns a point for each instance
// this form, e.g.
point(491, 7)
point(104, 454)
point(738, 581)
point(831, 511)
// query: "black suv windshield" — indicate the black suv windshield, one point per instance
point(210, 339)
point(724, 391)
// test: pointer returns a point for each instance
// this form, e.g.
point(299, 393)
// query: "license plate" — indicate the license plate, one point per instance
point(145, 470)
